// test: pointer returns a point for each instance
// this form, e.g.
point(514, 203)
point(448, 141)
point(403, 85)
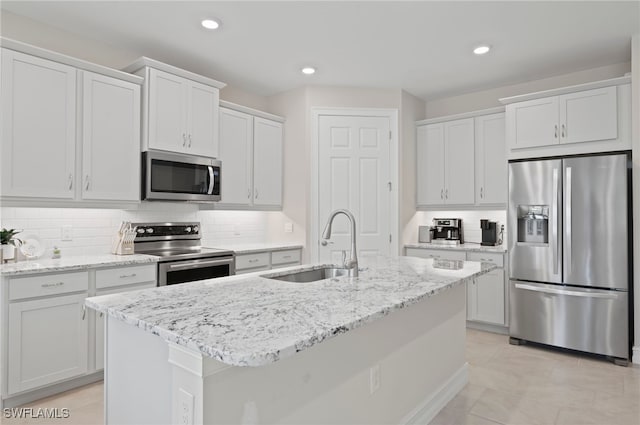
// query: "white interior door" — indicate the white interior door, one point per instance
point(354, 174)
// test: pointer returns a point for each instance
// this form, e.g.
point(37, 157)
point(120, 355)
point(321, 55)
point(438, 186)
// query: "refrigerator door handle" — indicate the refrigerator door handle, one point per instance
point(554, 221)
point(611, 296)
point(568, 220)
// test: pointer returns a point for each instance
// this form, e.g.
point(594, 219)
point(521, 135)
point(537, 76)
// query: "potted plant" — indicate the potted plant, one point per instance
point(8, 242)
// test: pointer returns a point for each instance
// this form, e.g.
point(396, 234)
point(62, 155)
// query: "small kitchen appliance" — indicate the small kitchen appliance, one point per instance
point(447, 231)
point(182, 259)
point(489, 233)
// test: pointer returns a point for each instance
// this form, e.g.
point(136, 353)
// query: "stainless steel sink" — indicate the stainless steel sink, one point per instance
point(310, 275)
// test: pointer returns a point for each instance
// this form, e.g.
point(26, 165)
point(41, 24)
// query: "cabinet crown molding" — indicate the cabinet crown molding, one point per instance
point(565, 90)
point(144, 61)
point(471, 114)
point(29, 49)
point(251, 111)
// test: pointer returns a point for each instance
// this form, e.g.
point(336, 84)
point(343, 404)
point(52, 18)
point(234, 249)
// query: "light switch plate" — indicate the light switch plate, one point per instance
point(288, 227)
point(67, 233)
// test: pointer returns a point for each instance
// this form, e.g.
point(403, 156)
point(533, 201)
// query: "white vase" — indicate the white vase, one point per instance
point(8, 252)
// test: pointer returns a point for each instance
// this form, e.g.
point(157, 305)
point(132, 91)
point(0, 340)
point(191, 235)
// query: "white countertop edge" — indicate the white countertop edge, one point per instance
point(499, 249)
point(65, 264)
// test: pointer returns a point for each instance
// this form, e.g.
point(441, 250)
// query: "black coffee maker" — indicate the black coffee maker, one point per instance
point(489, 232)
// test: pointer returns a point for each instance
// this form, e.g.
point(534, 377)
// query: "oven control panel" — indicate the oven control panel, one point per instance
point(166, 231)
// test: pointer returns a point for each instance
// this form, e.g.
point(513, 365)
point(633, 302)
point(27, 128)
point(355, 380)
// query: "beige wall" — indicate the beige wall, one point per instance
point(489, 98)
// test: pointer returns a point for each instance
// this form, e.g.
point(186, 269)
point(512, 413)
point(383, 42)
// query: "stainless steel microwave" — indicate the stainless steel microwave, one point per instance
point(176, 177)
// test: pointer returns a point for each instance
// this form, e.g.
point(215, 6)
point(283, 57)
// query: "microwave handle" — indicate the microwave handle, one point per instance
point(211, 181)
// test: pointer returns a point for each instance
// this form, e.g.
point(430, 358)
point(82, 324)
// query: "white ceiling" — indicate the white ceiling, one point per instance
point(422, 47)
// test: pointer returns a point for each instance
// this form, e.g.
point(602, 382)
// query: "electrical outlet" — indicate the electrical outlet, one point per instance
point(67, 233)
point(288, 227)
point(236, 230)
point(374, 379)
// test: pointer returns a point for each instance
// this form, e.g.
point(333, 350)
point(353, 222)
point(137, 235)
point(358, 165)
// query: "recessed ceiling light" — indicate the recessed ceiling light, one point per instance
point(210, 24)
point(308, 70)
point(481, 50)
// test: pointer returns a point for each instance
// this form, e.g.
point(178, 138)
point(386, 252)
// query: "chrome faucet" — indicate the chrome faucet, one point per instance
point(352, 264)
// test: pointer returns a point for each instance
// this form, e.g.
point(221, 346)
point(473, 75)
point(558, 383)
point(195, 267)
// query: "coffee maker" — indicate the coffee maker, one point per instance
point(447, 231)
point(489, 233)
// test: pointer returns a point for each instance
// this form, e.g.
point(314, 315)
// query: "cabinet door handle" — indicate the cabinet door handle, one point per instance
point(481, 193)
point(446, 194)
point(189, 140)
point(248, 193)
point(441, 193)
point(87, 180)
point(101, 314)
point(563, 131)
point(70, 181)
point(256, 190)
point(184, 140)
point(555, 134)
point(52, 285)
point(124, 276)
point(84, 311)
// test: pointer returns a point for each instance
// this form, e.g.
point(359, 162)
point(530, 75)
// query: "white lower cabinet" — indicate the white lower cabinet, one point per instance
point(267, 260)
point(47, 337)
point(486, 295)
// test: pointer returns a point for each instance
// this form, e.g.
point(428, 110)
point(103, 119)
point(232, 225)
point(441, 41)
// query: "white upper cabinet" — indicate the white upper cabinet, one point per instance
point(491, 159)
point(180, 109)
point(111, 139)
point(430, 165)
point(251, 154)
point(236, 154)
point(70, 129)
point(38, 127)
point(445, 165)
point(588, 118)
point(459, 161)
point(267, 165)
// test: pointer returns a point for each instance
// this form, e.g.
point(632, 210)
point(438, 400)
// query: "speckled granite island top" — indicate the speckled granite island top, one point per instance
point(81, 262)
point(469, 246)
point(249, 320)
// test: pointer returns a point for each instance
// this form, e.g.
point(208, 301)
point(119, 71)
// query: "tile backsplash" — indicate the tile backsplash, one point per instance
point(470, 223)
point(93, 229)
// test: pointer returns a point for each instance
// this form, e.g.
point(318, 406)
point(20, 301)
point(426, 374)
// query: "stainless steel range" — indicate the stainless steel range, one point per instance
point(182, 258)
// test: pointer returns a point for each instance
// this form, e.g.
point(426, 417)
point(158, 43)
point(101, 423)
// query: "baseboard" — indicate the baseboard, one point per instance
point(435, 402)
point(28, 397)
point(636, 355)
point(488, 327)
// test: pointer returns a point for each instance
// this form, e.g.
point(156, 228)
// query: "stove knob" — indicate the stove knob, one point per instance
point(195, 229)
point(187, 229)
point(140, 230)
point(149, 229)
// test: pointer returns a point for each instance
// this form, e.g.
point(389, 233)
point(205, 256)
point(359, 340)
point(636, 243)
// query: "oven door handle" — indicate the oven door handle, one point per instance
point(198, 264)
point(211, 180)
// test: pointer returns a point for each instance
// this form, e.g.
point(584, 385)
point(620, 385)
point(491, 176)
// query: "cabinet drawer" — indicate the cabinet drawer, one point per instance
point(440, 254)
point(252, 261)
point(125, 276)
point(497, 259)
point(284, 257)
point(39, 286)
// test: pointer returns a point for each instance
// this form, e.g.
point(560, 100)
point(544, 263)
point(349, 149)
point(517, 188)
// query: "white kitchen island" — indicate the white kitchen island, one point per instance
point(386, 347)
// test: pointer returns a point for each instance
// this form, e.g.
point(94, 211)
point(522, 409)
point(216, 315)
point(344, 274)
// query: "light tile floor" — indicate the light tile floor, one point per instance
point(519, 385)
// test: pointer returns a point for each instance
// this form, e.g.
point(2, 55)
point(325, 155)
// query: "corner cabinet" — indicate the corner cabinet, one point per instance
point(462, 162)
point(180, 109)
point(587, 118)
point(53, 108)
point(446, 163)
point(251, 145)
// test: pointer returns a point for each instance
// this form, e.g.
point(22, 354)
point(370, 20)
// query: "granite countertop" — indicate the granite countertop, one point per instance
point(249, 320)
point(81, 262)
point(256, 247)
point(467, 246)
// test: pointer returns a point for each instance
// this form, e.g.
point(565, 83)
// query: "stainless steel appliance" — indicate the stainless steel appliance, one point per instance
point(175, 177)
point(489, 233)
point(447, 231)
point(569, 253)
point(182, 259)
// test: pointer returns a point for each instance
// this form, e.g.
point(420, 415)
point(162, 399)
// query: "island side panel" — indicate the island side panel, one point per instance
point(137, 376)
point(421, 359)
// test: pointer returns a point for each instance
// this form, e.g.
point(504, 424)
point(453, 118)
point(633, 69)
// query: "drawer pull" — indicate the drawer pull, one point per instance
point(286, 256)
point(255, 260)
point(52, 285)
point(84, 312)
point(124, 276)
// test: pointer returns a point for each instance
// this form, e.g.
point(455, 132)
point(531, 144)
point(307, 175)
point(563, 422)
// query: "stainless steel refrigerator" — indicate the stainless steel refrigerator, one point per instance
point(569, 251)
